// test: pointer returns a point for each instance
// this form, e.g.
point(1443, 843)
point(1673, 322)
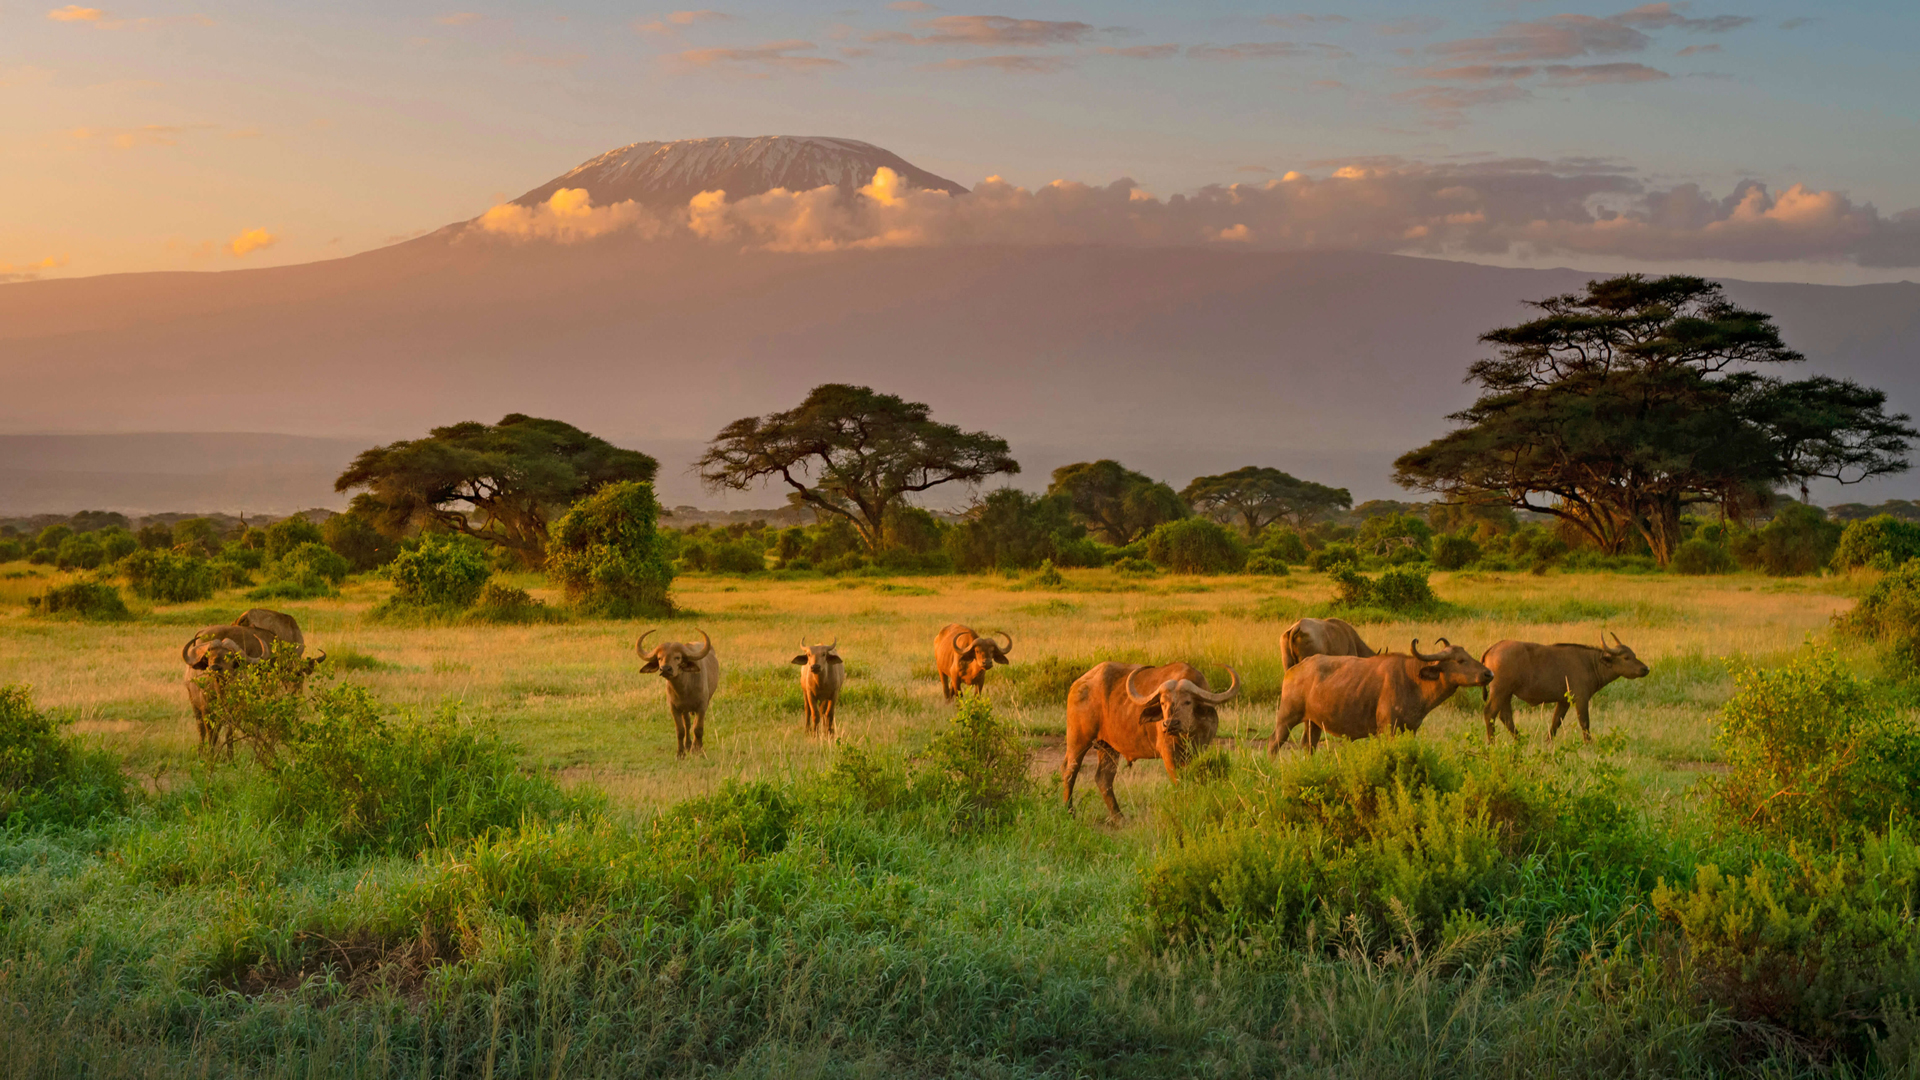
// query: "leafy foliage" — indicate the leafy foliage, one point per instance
point(1882, 542)
point(92, 601)
point(1259, 497)
point(308, 570)
point(1890, 614)
point(442, 571)
point(1196, 546)
point(1114, 501)
point(1401, 589)
point(864, 452)
point(608, 555)
point(516, 474)
point(258, 704)
point(1698, 555)
point(1454, 551)
point(498, 603)
point(45, 778)
point(1012, 530)
point(979, 762)
point(1799, 540)
point(288, 533)
point(168, 576)
point(355, 540)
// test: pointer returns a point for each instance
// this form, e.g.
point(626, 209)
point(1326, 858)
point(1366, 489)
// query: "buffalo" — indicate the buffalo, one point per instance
point(1358, 696)
point(214, 653)
point(693, 674)
point(1320, 637)
point(283, 627)
point(1172, 720)
point(1563, 674)
point(964, 657)
point(822, 674)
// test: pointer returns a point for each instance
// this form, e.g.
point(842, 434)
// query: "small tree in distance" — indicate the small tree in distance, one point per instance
point(608, 555)
point(853, 453)
point(1261, 496)
point(1116, 502)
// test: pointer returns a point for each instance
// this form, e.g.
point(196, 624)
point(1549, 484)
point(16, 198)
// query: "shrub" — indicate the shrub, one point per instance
point(52, 537)
point(1404, 589)
point(258, 703)
point(154, 536)
point(1454, 551)
point(199, 535)
point(1012, 530)
point(355, 540)
point(1135, 567)
point(11, 549)
point(1283, 543)
point(1799, 540)
point(1890, 615)
point(88, 600)
point(1333, 554)
point(1263, 562)
point(81, 552)
point(1815, 755)
point(310, 570)
point(1698, 556)
point(1196, 546)
point(1882, 541)
point(736, 557)
point(442, 571)
point(1536, 549)
point(979, 762)
point(1351, 588)
point(288, 533)
point(168, 576)
point(45, 779)
point(608, 556)
point(499, 603)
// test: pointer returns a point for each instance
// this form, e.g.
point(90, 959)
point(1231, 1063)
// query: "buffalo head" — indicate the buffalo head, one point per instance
point(817, 658)
point(1182, 706)
point(673, 659)
point(1452, 665)
point(1620, 659)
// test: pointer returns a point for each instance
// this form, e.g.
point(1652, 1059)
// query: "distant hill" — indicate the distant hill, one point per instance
point(140, 474)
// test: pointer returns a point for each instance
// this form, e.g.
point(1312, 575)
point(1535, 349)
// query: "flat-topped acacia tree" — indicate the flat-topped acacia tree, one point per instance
point(518, 475)
point(852, 452)
point(1261, 496)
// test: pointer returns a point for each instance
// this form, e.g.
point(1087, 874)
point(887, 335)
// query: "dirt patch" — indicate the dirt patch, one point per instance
point(360, 963)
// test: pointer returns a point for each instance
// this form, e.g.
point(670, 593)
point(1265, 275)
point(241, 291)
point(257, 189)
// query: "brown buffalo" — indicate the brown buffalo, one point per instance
point(282, 626)
point(211, 655)
point(1562, 674)
point(1106, 711)
point(822, 674)
point(964, 657)
point(1320, 637)
point(693, 674)
point(1358, 696)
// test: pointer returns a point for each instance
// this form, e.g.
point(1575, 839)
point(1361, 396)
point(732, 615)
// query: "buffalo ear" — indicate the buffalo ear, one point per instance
point(1152, 713)
point(1430, 672)
point(800, 659)
point(1002, 657)
point(834, 658)
point(652, 665)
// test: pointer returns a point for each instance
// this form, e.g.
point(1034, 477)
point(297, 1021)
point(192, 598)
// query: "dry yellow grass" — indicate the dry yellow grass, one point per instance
point(572, 697)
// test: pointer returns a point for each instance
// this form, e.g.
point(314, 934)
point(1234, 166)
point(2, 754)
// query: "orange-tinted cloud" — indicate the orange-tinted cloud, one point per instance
point(100, 20)
point(993, 31)
point(130, 138)
point(30, 271)
point(1010, 65)
point(759, 59)
point(1142, 52)
point(459, 18)
point(250, 241)
point(76, 13)
point(567, 216)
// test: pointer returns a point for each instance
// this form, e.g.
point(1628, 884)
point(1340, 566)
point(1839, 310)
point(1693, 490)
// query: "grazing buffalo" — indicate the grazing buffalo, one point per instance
point(964, 657)
point(1562, 674)
point(1320, 637)
point(1359, 696)
point(1107, 711)
point(822, 674)
point(693, 674)
point(283, 627)
point(216, 652)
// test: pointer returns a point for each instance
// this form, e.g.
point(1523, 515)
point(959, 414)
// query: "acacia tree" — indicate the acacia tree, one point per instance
point(1623, 405)
point(1113, 500)
point(853, 453)
point(515, 476)
point(1261, 496)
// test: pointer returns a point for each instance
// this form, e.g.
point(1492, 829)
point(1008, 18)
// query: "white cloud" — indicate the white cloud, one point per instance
point(568, 216)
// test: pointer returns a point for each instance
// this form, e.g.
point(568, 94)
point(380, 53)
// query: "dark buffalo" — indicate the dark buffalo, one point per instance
point(1563, 674)
point(1358, 696)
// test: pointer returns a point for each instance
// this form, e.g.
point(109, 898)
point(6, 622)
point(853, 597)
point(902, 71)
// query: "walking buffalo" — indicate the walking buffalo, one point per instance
point(963, 657)
point(1563, 674)
point(1359, 696)
point(693, 674)
point(1106, 711)
point(822, 674)
point(1320, 637)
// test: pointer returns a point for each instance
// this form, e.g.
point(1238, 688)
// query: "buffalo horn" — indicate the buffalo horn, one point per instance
point(1616, 640)
point(1418, 655)
point(643, 640)
point(1219, 697)
point(704, 651)
point(1137, 699)
point(836, 643)
point(1009, 646)
point(187, 648)
point(322, 658)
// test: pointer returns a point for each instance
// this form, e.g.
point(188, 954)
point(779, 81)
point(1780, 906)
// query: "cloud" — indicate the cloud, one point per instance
point(1695, 50)
point(130, 138)
point(1593, 74)
point(557, 61)
point(76, 13)
point(1561, 37)
point(1448, 104)
point(1297, 20)
point(1663, 16)
point(775, 55)
point(459, 18)
point(1423, 24)
point(1142, 52)
point(568, 216)
point(1485, 208)
point(1797, 22)
point(250, 241)
point(30, 271)
point(1011, 65)
point(911, 5)
point(100, 20)
point(1263, 50)
point(25, 76)
point(992, 31)
point(704, 15)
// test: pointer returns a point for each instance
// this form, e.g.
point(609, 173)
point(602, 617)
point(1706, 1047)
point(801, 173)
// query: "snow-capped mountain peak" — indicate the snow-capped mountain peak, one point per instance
point(669, 173)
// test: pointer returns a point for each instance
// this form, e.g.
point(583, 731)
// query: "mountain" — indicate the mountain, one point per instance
point(667, 174)
point(1177, 361)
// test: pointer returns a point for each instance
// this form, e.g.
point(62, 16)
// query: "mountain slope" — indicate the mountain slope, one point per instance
point(667, 174)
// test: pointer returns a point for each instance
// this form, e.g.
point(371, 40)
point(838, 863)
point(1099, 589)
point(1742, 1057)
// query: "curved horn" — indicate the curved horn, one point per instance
point(705, 651)
point(836, 643)
point(1137, 699)
point(1428, 658)
point(1445, 642)
point(1219, 697)
point(1009, 645)
point(643, 640)
point(188, 647)
point(322, 658)
point(1616, 640)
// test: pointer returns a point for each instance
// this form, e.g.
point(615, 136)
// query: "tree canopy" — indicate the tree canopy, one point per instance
point(1261, 496)
point(852, 452)
point(1621, 406)
point(1114, 501)
point(514, 476)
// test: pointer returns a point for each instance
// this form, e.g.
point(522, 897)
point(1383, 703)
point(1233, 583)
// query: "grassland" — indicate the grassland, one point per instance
point(894, 946)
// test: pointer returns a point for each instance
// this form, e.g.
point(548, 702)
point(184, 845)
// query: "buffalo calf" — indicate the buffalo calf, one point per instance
point(692, 673)
point(822, 674)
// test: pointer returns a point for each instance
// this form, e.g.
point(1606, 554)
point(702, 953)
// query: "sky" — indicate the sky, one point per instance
point(1751, 138)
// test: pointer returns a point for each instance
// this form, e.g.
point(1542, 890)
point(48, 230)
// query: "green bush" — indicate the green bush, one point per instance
point(81, 552)
point(1890, 615)
point(1283, 543)
point(1799, 540)
point(88, 600)
point(353, 539)
point(168, 576)
point(1698, 556)
point(289, 533)
point(1404, 589)
point(608, 556)
point(499, 603)
point(978, 763)
point(1196, 546)
point(51, 537)
point(1882, 541)
point(1351, 588)
point(1263, 562)
point(1454, 551)
point(737, 558)
point(258, 704)
point(1815, 755)
point(1333, 554)
point(1135, 567)
point(1013, 530)
point(154, 536)
point(442, 571)
point(1535, 549)
point(198, 535)
point(45, 778)
point(305, 572)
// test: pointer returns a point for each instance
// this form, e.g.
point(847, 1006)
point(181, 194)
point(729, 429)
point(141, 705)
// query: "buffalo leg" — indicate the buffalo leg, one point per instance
point(1283, 727)
point(1103, 776)
point(679, 734)
point(1312, 737)
point(700, 731)
point(1559, 714)
point(1580, 708)
point(1070, 767)
point(813, 716)
point(1499, 706)
point(826, 714)
point(949, 687)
